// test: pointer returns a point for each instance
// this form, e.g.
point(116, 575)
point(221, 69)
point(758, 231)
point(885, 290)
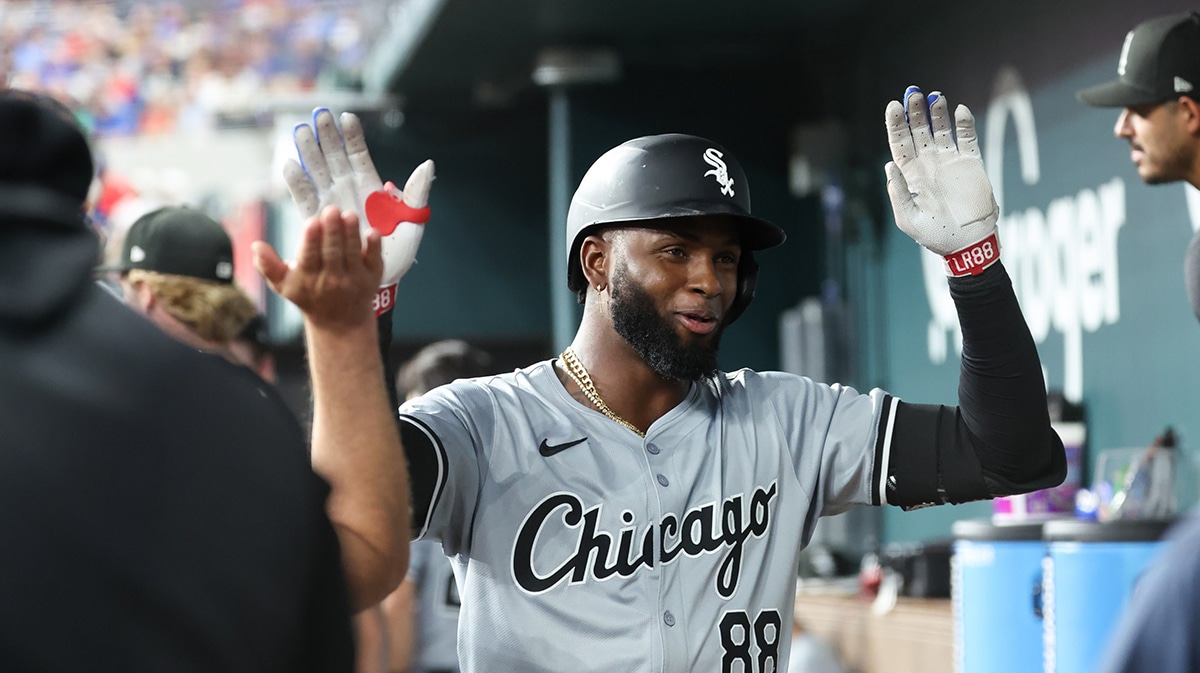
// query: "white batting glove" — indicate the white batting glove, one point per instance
point(939, 190)
point(337, 170)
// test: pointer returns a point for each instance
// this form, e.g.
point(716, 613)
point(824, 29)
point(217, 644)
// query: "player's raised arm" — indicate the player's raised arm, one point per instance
point(345, 275)
point(998, 441)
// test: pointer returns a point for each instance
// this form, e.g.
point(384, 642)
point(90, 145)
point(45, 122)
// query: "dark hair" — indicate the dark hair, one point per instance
point(439, 363)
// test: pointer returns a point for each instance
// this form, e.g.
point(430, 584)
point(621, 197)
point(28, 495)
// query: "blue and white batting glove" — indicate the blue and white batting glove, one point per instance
point(940, 192)
point(335, 169)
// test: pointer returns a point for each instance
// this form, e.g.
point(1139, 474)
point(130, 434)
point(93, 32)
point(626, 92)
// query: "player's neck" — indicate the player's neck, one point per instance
point(623, 380)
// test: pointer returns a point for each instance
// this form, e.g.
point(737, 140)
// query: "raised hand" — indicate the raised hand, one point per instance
point(938, 187)
point(334, 275)
point(338, 171)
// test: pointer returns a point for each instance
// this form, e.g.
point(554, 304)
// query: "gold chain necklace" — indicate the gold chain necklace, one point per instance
point(584, 380)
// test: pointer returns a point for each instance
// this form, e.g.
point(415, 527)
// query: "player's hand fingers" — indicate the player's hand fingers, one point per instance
point(309, 257)
point(331, 249)
point(900, 140)
point(918, 119)
point(331, 144)
point(416, 190)
point(350, 240)
point(372, 252)
point(939, 122)
point(273, 269)
point(903, 206)
point(304, 193)
point(311, 158)
point(356, 151)
point(968, 140)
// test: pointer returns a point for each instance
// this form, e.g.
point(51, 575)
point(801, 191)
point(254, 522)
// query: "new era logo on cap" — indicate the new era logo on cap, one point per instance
point(1160, 60)
point(136, 254)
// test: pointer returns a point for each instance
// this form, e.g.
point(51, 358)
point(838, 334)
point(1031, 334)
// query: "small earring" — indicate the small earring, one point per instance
point(600, 287)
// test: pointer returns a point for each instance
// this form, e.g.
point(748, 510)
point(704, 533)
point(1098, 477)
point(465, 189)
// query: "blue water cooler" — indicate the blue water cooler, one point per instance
point(1090, 572)
point(996, 596)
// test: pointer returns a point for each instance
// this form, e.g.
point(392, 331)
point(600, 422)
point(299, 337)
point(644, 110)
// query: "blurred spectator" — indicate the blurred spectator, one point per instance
point(153, 67)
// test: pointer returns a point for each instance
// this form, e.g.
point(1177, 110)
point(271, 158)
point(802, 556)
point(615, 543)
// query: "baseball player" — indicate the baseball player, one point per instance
point(1157, 75)
point(1158, 72)
point(626, 506)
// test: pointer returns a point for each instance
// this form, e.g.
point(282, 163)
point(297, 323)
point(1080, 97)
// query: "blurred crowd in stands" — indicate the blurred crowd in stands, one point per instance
point(138, 67)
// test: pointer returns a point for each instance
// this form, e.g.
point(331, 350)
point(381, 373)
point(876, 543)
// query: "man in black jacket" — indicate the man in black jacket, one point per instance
point(158, 510)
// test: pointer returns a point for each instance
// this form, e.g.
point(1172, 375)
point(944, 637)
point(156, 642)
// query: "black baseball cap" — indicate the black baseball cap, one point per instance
point(178, 240)
point(1160, 61)
point(49, 168)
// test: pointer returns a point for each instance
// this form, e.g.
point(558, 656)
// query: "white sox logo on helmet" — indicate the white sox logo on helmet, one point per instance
point(712, 157)
point(705, 529)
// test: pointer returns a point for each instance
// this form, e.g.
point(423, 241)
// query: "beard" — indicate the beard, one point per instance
point(654, 338)
point(1172, 163)
point(1170, 168)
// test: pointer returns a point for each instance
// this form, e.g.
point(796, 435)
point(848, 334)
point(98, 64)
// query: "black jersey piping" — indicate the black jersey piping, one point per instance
point(442, 461)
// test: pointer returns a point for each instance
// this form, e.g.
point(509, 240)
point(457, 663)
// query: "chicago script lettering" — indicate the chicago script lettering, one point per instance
point(704, 529)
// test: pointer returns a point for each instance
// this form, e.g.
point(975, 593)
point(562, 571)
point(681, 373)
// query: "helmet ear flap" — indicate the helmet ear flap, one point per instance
point(747, 279)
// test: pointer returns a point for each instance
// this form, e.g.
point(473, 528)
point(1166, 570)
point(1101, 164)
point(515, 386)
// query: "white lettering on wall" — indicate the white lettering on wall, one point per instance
point(1062, 259)
point(1193, 205)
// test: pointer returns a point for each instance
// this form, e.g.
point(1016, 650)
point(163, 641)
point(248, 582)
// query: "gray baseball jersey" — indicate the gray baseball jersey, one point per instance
point(435, 608)
point(580, 546)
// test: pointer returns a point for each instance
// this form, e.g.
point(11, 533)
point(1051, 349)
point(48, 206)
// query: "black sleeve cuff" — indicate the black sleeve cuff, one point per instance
point(1001, 392)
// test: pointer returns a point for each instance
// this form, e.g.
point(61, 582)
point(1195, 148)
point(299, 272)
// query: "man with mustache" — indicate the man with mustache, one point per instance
point(1158, 72)
point(626, 506)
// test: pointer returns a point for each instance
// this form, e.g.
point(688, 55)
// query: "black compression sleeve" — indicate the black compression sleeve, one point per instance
point(1001, 392)
point(384, 328)
point(998, 441)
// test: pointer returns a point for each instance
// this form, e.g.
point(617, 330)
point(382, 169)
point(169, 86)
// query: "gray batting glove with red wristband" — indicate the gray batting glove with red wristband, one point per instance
point(940, 192)
point(337, 170)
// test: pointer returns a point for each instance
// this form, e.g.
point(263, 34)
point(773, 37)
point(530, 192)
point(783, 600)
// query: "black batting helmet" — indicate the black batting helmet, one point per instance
point(672, 176)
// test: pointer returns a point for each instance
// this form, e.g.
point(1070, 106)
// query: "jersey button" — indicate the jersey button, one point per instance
point(663, 480)
point(652, 449)
point(669, 618)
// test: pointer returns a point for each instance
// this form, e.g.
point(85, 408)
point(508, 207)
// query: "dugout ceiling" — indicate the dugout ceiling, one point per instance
point(484, 51)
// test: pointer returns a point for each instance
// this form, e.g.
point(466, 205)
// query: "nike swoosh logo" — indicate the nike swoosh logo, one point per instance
point(548, 450)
